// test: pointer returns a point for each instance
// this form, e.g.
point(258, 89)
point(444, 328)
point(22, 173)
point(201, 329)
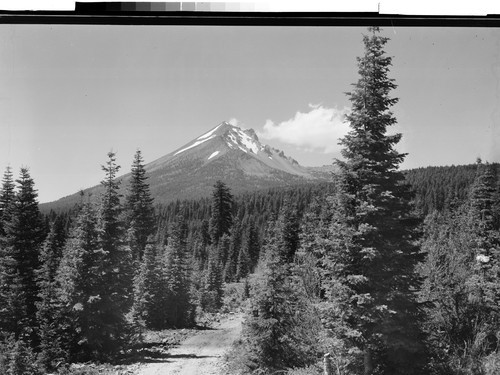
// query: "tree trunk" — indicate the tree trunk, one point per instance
point(327, 364)
point(368, 362)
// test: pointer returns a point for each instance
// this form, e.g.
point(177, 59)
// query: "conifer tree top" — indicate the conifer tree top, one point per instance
point(368, 146)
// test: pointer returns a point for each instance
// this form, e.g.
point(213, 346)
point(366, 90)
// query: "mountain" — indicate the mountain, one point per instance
point(226, 153)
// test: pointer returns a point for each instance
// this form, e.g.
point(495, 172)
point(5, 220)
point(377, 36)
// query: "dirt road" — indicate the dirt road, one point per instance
point(199, 354)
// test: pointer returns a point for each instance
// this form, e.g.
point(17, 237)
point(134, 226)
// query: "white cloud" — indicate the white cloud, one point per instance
point(317, 130)
point(235, 122)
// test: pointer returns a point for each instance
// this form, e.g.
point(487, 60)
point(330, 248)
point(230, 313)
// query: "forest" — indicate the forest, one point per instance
point(380, 271)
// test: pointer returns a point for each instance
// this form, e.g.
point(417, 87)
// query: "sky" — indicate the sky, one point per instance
point(69, 94)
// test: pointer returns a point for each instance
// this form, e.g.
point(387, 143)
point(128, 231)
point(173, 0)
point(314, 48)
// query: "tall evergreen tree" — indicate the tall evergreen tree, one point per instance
point(180, 310)
point(115, 297)
point(78, 287)
point(24, 233)
point(95, 275)
point(378, 267)
point(49, 306)
point(11, 296)
point(139, 210)
point(222, 211)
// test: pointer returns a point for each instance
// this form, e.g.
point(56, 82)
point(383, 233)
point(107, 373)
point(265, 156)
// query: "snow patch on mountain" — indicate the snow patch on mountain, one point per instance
point(248, 141)
point(213, 155)
point(194, 144)
point(206, 135)
point(233, 139)
point(236, 142)
point(245, 140)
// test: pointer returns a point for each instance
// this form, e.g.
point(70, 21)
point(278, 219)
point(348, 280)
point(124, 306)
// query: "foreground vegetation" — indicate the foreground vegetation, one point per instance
point(386, 277)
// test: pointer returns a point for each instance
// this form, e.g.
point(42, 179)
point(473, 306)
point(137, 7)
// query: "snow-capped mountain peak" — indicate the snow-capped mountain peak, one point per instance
point(227, 144)
point(235, 138)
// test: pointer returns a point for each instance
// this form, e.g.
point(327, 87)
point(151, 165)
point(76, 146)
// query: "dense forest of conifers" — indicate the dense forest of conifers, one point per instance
point(388, 272)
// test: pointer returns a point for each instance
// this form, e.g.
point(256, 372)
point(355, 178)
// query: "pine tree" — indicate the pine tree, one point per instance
point(180, 310)
point(78, 284)
point(378, 267)
point(24, 233)
point(213, 292)
point(283, 329)
point(150, 291)
point(48, 307)
point(222, 212)
point(115, 297)
point(139, 210)
point(11, 295)
point(95, 275)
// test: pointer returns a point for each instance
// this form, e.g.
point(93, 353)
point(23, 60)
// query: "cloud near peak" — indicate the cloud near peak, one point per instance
point(234, 121)
point(316, 130)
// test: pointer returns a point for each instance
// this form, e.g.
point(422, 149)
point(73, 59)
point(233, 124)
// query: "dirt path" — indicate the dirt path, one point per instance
point(199, 354)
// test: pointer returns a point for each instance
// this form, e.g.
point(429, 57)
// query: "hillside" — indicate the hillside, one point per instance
point(437, 188)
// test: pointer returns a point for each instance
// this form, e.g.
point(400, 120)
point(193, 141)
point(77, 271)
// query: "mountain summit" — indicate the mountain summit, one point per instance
point(228, 146)
point(227, 153)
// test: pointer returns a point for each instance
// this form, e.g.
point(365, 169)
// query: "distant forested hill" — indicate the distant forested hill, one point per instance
point(438, 188)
